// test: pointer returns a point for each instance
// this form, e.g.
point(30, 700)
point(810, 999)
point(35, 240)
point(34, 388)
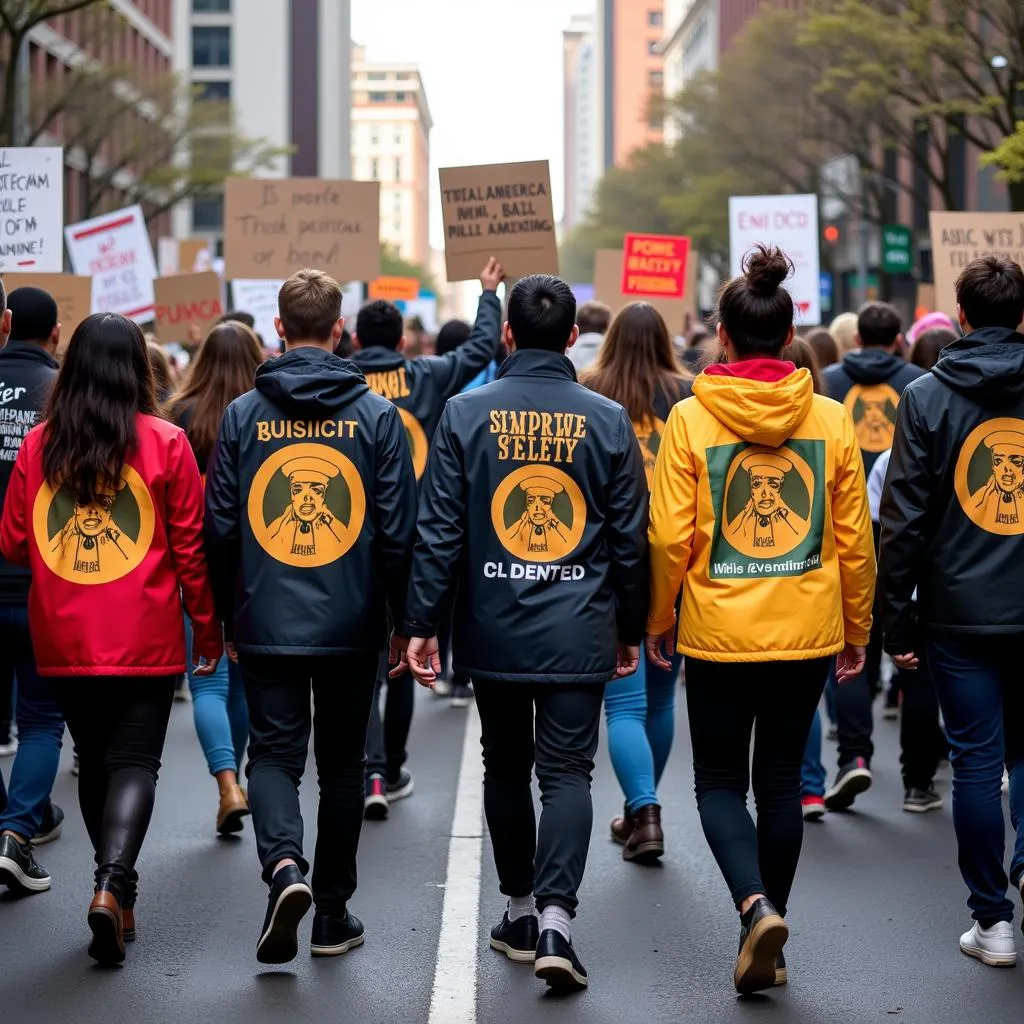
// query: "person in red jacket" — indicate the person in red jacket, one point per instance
point(105, 505)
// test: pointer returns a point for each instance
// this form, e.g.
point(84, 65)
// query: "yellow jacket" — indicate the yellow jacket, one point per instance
point(759, 514)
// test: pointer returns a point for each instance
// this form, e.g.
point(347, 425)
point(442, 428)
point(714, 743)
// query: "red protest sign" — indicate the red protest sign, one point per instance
point(655, 265)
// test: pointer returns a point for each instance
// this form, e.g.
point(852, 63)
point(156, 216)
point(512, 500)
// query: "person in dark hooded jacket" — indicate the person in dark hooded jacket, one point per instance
point(310, 518)
point(952, 525)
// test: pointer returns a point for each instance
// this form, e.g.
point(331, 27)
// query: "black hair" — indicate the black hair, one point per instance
point(878, 325)
point(241, 317)
point(990, 292)
point(542, 313)
point(451, 335)
point(755, 310)
point(379, 323)
point(344, 348)
point(104, 382)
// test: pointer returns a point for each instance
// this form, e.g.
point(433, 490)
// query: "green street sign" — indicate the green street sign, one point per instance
point(897, 254)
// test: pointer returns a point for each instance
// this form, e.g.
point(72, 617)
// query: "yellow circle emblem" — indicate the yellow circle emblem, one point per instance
point(989, 477)
point(99, 542)
point(539, 514)
point(872, 407)
point(307, 505)
point(417, 440)
point(768, 495)
point(648, 435)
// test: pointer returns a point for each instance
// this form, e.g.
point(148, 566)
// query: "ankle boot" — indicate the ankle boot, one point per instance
point(622, 828)
point(647, 843)
point(233, 808)
point(106, 922)
point(128, 907)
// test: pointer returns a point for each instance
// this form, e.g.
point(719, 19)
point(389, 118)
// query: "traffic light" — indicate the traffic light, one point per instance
point(831, 234)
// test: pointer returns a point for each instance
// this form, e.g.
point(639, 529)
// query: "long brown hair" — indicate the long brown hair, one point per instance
point(636, 360)
point(801, 353)
point(223, 368)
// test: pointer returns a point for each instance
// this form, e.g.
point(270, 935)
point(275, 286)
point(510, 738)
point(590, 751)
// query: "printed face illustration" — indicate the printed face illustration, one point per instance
point(93, 519)
point(875, 417)
point(765, 486)
point(307, 498)
point(538, 505)
point(1007, 467)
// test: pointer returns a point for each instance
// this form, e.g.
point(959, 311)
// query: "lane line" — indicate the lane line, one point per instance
point(453, 999)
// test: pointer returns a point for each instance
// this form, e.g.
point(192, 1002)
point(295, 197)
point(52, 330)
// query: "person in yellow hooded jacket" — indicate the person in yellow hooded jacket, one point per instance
point(759, 514)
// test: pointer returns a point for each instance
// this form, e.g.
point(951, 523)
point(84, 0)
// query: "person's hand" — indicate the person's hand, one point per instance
point(231, 651)
point(850, 663)
point(195, 335)
point(492, 275)
point(424, 659)
point(659, 647)
point(907, 662)
point(204, 667)
point(627, 660)
point(396, 656)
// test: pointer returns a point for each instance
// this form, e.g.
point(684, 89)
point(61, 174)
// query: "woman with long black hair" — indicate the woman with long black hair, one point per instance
point(223, 369)
point(105, 505)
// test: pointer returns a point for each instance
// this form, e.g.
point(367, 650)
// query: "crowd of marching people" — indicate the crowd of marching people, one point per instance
point(559, 513)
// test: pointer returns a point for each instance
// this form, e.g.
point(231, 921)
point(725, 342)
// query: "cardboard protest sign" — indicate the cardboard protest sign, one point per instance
point(959, 238)
point(114, 250)
point(72, 294)
point(183, 256)
point(500, 210)
point(608, 275)
point(273, 228)
point(186, 299)
point(31, 209)
point(394, 289)
point(925, 300)
point(260, 299)
point(655, 266)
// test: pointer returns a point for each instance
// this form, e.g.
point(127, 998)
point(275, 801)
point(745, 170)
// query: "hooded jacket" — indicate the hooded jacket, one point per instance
point(534, 507)
point(108, 578)
point(869, 383)
point(310, 511)
point(952, 515)
point(420, 387)
point(759, 514)
point(27, 372)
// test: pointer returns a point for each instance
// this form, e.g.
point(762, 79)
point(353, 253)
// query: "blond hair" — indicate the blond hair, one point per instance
point(309, 305)
point(844, 330)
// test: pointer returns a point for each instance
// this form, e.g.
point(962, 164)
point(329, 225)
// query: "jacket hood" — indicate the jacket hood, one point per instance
point(872, 365)
point(377, 359)
point(310, 383)
point(761, 412)
point(27, 353)
point(986, 366)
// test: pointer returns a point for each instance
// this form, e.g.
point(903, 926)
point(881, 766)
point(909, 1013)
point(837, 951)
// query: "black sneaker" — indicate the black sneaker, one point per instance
point(375, 802)
point(517, 939)
point(781, 974)
point(51, 825)
point(401, 787)
point(461, 693)
point(557, 963)
point(920, 801)
point(763, 933)
point(853, 779)
point(290, 899)
point(18, 868)
point(333, 936)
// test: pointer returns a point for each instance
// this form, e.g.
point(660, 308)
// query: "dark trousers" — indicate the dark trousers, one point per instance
point(278, 693)
point(922, 741)
point(978, 682)
point(555, 728)
point(119, 724)
point(854, 719)
point(387, 734)
point(724, 702)
point(444, 642)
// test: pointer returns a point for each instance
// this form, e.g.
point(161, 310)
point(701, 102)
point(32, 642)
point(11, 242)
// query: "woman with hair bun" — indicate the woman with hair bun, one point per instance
point(759, 515)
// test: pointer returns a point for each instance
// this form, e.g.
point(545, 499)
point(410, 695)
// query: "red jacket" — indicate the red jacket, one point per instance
point(108, 579)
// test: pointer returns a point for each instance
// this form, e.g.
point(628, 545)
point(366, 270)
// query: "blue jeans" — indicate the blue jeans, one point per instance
point(220, 711)
point(812, 771)
point(977, 680)
point(640, 711)
point(40, 729)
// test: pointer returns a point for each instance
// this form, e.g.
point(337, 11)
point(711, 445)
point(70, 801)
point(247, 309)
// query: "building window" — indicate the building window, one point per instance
point(399, 97)
point(398, 203)
point(398, 168)
point(217, 91)
point(398, 136)
point(402, 76)
point(374, 136)
point(375, 169)
point(376, 76)
point(211, 46)
point(211, 6)
point(398, 227)
point(652, 47)
point(208, 213)
point(655, 19)
point(655, 78)
point(378, 97)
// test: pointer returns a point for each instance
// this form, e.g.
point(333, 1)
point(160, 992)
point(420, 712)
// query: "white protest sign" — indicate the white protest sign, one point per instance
point(31, 210)
point(791, 223)
point(260, 299)
point(115, 251)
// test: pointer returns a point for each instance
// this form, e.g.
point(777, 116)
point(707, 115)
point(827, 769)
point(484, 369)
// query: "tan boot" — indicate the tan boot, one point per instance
point(233, 808)
point(647, 843)
point(107, 926)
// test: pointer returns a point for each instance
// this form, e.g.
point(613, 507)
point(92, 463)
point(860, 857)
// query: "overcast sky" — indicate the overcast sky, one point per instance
point(492, 71)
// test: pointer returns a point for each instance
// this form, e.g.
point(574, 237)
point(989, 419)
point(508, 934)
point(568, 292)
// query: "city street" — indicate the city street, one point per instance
point(876, 914)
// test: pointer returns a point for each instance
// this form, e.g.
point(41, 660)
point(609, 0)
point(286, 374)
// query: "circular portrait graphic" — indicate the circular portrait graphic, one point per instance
point(648, 434)
point(539, 514)
point(768, 502)
point(99, 541)
point(872, 407)
point(307, 505)
point(989, 479)
point(417, 441)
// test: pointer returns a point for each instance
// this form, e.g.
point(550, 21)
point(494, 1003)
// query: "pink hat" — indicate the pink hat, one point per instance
point(929, 322)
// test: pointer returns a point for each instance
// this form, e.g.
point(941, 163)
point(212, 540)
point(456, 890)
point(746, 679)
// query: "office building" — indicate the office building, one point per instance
point(579, 61)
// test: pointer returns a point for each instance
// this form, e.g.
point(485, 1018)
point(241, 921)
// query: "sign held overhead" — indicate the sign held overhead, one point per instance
point(186, 299)
point(655, 265)
point(31, 210)
point(72, 294)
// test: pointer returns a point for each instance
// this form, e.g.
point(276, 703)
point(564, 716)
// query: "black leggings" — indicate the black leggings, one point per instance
point(725, 701)
point(119, 725)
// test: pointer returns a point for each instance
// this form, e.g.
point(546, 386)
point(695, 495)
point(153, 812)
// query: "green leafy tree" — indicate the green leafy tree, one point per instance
point(1008, 156)
point(392, 265)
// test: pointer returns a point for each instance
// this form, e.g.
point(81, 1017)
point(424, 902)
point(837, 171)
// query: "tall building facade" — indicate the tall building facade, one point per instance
point(391, 126)
point(691, 46)
point(579, 62)
point(628, 36)
point(285, 65)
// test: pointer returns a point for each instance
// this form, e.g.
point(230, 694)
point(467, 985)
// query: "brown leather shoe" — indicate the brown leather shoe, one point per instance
point(106, 922)
point(622, 828)
point(233, 808)
point(647, 843)
point(128, 924)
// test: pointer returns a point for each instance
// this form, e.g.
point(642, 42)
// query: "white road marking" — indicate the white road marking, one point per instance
point(453, 1000)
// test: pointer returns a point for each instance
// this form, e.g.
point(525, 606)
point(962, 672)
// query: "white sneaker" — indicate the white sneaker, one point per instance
point(993, 946)
point(10, 748)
